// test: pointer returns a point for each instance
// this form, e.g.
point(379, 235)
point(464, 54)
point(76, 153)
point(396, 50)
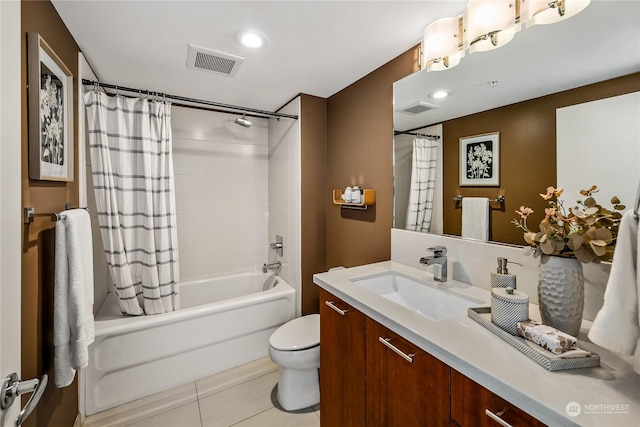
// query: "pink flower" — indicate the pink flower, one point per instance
point(549, 212)
point(551, 192)
point(524, 212)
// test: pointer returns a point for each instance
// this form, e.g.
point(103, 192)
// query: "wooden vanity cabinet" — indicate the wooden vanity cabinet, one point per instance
point(471, 405)
point(371, 376)
point(342, 363)
point(405, 385)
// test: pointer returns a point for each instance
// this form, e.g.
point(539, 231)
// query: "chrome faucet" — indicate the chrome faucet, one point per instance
point(439, 261)
point(273, 266)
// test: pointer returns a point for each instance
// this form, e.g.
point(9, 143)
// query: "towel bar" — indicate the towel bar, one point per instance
point(499, 199)
point(30, 213)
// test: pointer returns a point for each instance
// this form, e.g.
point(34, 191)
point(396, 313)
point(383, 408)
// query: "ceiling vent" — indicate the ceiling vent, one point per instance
point(200, 58)
point(417, 108)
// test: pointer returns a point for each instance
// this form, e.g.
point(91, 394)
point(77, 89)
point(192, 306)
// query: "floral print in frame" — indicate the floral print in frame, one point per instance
point(480, 160)
point(50, 113)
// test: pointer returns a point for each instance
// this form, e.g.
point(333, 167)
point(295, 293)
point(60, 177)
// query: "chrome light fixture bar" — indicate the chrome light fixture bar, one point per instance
point(551, 11)
point(487, 25)
point(442, 44)
point(490, 24)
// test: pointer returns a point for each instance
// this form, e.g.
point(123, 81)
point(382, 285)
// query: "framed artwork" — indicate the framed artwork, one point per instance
point(50, 99)
point(480, 160)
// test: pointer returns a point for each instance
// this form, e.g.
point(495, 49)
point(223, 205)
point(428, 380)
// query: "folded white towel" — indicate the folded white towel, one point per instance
point(475, 217)
point(73, 327)
point(617, 325)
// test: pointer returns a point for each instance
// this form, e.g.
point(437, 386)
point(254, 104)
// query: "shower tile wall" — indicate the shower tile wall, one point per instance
point(284, 194)
point(221, 175)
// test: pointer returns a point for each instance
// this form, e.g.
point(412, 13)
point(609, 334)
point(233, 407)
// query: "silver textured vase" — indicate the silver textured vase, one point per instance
point(561, 293)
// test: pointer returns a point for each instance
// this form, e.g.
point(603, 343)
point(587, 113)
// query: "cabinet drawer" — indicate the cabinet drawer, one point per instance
point(342, 363)
point(474, 406)
point(405, 385)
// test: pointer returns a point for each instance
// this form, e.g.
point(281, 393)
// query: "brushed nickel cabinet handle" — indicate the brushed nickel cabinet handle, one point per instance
point(496, 418)
point(405, 356)
point(336, 309)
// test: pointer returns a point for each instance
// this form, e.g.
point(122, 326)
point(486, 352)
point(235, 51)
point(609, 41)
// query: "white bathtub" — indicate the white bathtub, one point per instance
point(223, 322)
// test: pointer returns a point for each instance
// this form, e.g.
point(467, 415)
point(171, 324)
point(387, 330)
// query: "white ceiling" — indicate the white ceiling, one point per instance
point(316, 47)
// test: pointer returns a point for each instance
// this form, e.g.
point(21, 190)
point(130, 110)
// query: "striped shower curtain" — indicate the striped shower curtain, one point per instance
point(131, 158)
point(423, 182)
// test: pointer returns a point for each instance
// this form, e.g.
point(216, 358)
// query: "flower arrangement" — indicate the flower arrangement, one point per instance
point(586, 231)
point(52, 110)
point(479, 160)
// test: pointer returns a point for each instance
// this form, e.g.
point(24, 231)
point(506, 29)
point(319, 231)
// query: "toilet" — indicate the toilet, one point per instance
point(295, 347)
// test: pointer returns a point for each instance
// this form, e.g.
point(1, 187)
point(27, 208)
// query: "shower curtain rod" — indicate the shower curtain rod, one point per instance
point(416, 134)
point(191, 100)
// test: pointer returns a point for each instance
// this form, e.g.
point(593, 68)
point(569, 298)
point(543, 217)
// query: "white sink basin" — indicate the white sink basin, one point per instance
point(433, 301)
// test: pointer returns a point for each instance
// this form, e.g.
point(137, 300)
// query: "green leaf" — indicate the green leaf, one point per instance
point(615, 200)
point(598, 247)
point(606, 222)
point(591, 211)
point(547, 247)
point(584, 255)
point(575, 241)
point(600, 234)
point(590, 202)
point(558, 245)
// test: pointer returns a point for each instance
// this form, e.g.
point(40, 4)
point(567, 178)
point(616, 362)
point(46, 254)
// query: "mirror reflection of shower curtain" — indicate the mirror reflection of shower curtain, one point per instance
point(131, 158)
point(423, 182)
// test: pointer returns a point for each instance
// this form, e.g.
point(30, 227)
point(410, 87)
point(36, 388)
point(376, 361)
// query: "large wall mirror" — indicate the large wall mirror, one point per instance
point(529, 92)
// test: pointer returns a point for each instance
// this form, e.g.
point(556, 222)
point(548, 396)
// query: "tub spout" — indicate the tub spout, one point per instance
point(275, 266)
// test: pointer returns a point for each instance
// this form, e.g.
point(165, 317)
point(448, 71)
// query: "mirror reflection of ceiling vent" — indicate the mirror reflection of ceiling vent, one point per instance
point(200, 58)
point(417, 108)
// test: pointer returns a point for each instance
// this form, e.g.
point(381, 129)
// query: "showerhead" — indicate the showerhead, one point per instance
point(242, 121)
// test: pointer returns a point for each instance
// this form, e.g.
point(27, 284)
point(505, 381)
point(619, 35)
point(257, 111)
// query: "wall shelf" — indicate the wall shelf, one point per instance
point(368, 199)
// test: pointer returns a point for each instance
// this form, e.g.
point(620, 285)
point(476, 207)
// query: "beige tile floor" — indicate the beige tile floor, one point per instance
point(244, 397)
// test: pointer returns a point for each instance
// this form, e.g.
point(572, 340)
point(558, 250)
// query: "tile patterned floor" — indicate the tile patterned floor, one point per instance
point(244, 397)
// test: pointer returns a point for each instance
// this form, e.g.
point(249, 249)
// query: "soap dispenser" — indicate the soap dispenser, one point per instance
point(501, 278)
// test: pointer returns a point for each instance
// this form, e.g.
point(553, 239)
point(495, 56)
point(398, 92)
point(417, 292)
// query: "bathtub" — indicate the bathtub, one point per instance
point(223, 322)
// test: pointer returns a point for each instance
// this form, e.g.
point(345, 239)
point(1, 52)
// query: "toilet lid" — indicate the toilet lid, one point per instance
point(297, 334)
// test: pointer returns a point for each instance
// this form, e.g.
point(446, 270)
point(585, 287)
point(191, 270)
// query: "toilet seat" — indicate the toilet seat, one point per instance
point(298, 334)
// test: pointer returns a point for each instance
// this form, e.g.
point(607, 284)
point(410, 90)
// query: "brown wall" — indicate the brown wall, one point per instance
point(313, 153)
point(360, 152)
point(58, 407)
point(527, 154)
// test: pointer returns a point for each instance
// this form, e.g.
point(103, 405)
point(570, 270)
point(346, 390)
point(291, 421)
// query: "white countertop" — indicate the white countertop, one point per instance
point(607, 396)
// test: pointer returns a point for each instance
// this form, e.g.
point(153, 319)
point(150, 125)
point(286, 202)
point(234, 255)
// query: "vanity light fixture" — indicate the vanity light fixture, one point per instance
point(251, 38)
point(487, 25)
point(490, 24)
point(442, 44)
point(551, 11)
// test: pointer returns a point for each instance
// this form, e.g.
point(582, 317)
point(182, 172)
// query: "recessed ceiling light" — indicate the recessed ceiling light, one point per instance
point(251, 38)
point(439, 94)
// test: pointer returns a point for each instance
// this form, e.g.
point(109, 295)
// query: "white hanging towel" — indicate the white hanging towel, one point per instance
point(73, 327)
point(617, 325)
point(475, 217)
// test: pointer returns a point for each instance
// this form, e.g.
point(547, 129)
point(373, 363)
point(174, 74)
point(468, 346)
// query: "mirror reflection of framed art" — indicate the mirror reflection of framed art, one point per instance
point(480, 160)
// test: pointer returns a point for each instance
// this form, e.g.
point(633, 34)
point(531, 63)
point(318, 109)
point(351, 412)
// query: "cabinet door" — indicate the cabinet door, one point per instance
point(405, 385)
point(472, 406)
point(342, 363)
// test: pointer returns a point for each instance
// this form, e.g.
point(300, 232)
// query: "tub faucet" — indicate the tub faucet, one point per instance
point(439, 261)
point(273, 266)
